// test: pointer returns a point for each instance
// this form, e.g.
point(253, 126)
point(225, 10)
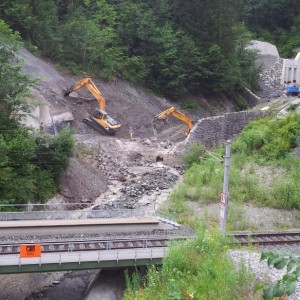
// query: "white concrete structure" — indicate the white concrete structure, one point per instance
point(291, 70)
point(48, 115)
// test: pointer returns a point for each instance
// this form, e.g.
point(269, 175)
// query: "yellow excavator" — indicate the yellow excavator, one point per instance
point(177, 114)
point(99, 119)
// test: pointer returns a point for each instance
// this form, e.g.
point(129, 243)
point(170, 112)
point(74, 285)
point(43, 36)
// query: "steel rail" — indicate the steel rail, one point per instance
point(266, 238)
point(92, 245)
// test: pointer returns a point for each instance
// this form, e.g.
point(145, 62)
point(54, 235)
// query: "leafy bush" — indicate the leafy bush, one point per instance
point(197, 269)
point(31, 167)
point(269, 139)
point(54, 152)
point(293, 107)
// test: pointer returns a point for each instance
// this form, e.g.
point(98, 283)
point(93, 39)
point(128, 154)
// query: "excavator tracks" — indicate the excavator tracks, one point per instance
point(98, 127)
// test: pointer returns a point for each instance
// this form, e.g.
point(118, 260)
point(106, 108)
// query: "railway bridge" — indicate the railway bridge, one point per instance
point(43, 241)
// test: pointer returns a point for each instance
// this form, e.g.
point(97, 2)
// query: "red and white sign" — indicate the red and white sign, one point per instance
point(223, 198)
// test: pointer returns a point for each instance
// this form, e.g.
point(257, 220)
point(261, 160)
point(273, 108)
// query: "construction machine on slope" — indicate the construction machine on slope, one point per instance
point(177, 114)
point(99, 119)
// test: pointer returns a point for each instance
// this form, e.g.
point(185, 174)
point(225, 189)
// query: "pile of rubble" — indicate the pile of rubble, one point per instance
point(270, 77)
point(148, 183)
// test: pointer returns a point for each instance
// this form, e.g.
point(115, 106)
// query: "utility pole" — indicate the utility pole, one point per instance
point(225, 193)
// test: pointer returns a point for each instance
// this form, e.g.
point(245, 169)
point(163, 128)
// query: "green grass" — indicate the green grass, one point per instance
point(262, 171)
point(198, 269)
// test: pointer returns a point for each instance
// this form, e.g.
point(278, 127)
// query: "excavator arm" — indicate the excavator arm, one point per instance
point(89, 84)
point(177, 114)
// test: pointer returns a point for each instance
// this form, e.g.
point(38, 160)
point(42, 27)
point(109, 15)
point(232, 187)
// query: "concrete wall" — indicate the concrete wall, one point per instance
point(213, 131)
point(291, 70)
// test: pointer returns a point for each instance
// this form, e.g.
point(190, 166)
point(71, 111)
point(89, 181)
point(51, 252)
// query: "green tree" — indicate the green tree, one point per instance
point(30, 166)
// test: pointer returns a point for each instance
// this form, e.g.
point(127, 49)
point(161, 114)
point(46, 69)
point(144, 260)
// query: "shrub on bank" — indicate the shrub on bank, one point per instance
point(197, 269)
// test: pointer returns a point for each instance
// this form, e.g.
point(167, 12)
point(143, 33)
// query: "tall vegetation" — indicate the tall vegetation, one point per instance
point(172, 47)
point(263, 170)
point(197, 269)
point(30, 165)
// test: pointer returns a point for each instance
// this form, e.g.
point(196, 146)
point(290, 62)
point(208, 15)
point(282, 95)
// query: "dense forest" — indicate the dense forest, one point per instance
point(172, 47)
point(274, 21)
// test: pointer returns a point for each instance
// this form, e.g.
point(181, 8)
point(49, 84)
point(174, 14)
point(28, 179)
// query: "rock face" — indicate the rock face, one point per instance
point(212, 131)
point(270, 77)
point(271, 64)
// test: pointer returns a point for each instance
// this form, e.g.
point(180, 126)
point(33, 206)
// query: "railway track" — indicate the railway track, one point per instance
point(93, 245)
point(267, 238)
point(256, 238)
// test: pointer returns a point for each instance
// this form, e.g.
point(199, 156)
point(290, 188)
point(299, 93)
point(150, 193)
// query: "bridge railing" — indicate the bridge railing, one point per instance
point(96, 257)
point(44, 212)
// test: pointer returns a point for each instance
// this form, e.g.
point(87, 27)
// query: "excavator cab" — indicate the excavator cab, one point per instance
point(100, 114)
point(100, 120)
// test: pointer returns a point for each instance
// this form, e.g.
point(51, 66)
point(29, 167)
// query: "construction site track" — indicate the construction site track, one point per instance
point(267, 238)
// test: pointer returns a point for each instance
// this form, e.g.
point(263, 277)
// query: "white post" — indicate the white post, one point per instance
point(225, 194)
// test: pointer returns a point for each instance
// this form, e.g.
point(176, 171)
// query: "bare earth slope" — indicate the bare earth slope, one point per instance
point(101, 159)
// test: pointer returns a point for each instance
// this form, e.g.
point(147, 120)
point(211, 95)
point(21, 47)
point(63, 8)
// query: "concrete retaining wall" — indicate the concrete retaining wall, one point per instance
point(213, 131)
point(291, 70)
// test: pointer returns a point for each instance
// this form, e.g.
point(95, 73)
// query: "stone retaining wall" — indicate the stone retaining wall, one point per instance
point(213, 131)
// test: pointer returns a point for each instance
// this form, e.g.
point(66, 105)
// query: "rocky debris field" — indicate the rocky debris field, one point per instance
point(270, 77)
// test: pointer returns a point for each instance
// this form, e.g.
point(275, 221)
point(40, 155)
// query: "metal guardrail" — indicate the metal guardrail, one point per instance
point(44, 212)
point(79, 214)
